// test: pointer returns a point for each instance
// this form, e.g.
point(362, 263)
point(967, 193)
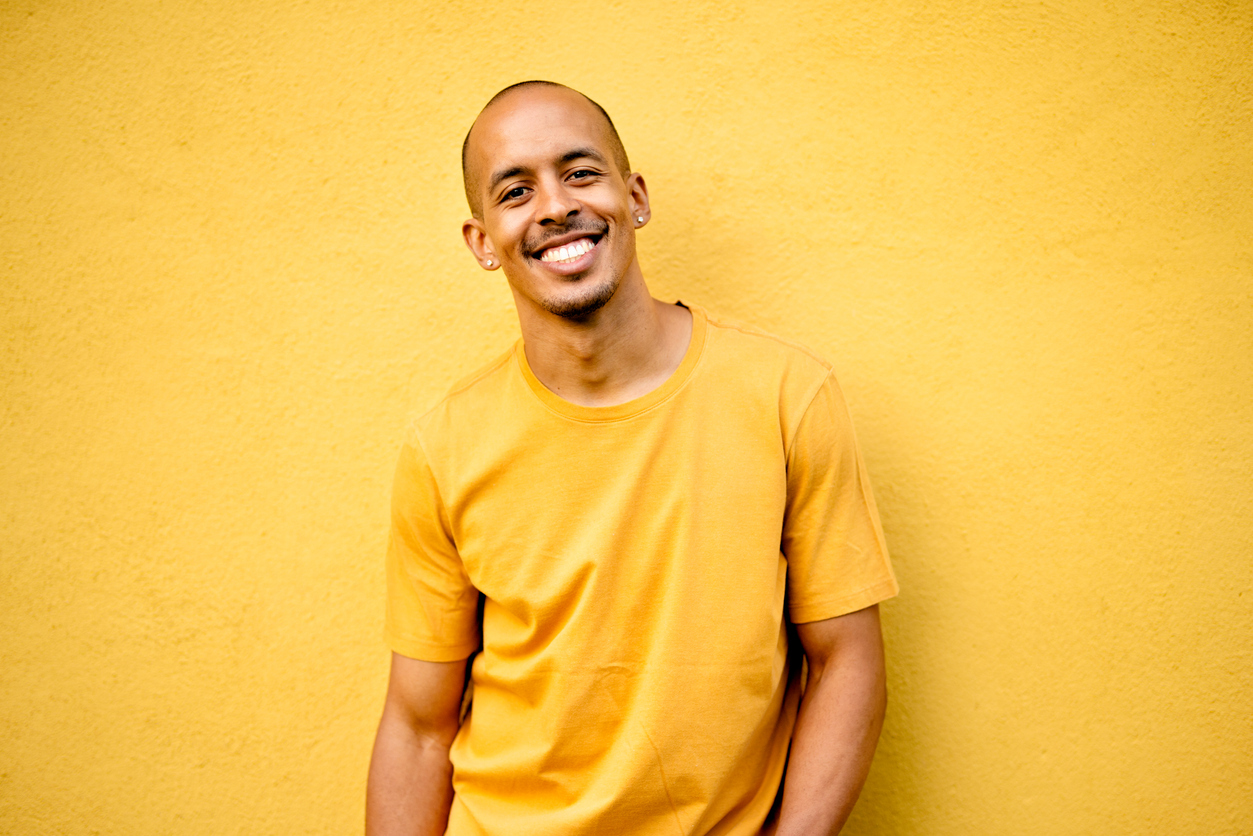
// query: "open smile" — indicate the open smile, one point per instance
point(566, 253)
point(570, 254)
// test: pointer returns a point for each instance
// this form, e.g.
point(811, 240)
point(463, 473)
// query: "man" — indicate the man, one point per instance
point(640, 511)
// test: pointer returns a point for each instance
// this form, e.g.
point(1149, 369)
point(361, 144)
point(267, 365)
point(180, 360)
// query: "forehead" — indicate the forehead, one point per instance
point(533, 126)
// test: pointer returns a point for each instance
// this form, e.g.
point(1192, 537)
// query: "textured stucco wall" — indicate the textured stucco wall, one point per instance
point(231, 266)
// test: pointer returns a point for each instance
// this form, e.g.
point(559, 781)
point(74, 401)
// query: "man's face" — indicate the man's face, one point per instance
point(558, 215)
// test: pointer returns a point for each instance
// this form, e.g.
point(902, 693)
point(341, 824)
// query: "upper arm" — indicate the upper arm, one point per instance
point(853, 639)
point(425, 697)
point(837, 558)
point(432, 605)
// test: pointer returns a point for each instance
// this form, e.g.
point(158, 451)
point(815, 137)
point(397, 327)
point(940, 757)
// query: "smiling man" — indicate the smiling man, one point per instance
point(642, 517)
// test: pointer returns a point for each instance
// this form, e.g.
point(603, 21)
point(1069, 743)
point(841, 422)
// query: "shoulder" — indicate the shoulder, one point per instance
point(752, 354)
point(752, 344)
point(470, 401)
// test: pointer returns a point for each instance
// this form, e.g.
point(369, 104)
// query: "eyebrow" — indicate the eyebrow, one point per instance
point(569, 156)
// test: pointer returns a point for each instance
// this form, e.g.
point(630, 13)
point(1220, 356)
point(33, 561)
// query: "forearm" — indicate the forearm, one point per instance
point(833, 744)
point(410, 785)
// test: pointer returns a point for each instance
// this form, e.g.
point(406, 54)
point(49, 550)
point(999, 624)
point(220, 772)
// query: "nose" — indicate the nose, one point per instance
point(556, 205)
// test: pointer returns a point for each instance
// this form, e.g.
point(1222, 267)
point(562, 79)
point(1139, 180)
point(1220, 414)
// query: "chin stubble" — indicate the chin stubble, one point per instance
point(581, 307)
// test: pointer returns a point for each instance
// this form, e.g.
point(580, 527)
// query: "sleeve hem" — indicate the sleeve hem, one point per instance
point(830, 608)
point(429, 651)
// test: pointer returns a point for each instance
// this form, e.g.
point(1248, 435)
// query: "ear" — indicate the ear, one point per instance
point(480, 246)
point(637, 191)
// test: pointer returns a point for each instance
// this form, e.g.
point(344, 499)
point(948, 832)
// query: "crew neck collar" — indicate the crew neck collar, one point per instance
point(561, 406)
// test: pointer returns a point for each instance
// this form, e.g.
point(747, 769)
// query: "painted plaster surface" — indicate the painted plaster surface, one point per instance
point(231, 266)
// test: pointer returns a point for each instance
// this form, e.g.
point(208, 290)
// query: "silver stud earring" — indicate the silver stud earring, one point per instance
point(489, 262)
point(640, 219)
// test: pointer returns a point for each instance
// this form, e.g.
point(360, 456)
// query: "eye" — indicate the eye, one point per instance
point(514, 193)
point(582, 174)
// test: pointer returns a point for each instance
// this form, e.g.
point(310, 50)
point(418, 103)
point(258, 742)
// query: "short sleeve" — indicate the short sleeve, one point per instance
point(432, 608)
point(837, 560)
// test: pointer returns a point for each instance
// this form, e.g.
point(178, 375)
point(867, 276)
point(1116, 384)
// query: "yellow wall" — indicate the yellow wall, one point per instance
point(231, 266)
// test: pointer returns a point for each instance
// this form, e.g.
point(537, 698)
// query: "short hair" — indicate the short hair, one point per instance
point(615, 142)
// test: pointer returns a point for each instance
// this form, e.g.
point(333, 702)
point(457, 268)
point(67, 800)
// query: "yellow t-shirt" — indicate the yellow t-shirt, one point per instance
point(635, 562)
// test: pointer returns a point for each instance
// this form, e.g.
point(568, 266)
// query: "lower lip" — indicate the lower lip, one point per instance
point(569, 268)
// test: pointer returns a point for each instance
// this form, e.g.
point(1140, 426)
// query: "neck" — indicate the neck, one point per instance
point(622, 351)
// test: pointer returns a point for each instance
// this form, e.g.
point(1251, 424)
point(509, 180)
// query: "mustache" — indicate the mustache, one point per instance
point(553, 233)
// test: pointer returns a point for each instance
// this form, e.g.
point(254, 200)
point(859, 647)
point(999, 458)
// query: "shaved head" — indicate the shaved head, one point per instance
point(469, 174)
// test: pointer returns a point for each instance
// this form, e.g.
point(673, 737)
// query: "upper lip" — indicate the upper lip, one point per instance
point(573, 235)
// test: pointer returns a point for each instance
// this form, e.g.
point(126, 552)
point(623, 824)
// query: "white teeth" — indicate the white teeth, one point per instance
point(567, 252)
